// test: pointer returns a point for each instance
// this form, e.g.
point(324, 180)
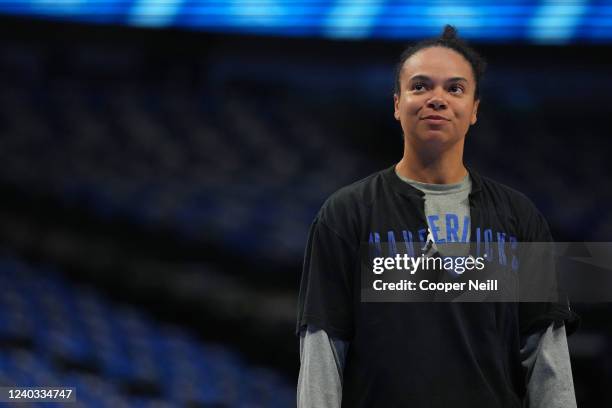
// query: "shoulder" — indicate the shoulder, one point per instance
point(354, 197)
point(345, 208)
point(358, 194)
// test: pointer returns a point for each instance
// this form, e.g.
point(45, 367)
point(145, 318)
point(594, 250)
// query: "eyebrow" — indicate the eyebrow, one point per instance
point(426, 78)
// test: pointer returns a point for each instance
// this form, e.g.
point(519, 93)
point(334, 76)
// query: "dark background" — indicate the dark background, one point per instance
point(157, 188)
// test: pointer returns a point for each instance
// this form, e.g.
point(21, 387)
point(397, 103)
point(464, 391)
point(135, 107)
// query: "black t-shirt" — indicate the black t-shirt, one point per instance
point(419, 354)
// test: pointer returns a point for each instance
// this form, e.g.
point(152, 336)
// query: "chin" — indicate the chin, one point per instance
point(436, 137)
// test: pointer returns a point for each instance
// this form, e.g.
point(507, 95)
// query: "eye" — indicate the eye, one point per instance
point(418, 86)
point(456, 89)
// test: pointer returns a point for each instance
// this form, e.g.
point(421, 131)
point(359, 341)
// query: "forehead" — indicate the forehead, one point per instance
point(437, 63)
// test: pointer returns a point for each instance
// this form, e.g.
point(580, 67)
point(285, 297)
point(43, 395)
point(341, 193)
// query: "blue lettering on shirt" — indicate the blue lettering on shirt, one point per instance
point(488, 238)
point(501, 242)
point(392, 245)
point(466, 228)
point(422, 234)
point(408, 242)
point(452, 235)
point(513, 246)
point(374, 242)
point(452, 227)
point(433, 219)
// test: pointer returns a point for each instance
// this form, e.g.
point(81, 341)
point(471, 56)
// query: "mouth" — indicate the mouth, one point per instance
point(435, 119)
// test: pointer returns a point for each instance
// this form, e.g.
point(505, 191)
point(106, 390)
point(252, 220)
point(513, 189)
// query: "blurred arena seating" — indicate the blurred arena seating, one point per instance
point(58, 334)
point(240, 171)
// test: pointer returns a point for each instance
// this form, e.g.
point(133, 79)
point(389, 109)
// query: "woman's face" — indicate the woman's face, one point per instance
point(436, 102)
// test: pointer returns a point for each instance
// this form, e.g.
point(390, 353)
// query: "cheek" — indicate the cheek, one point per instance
point(408, 117)
point(409, 108)
point(465, 111)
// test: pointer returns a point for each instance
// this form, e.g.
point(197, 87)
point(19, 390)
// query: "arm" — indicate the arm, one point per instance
point(545, 357)
point(322, 363)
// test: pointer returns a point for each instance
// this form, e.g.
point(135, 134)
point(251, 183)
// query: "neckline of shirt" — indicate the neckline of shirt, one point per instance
point(428, 188)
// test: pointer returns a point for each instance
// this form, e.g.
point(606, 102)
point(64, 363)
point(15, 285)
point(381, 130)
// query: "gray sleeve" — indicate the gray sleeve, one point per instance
point(321, 366)
point(549, 381)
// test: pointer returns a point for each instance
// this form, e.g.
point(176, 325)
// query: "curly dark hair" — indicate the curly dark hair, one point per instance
point(450, 40)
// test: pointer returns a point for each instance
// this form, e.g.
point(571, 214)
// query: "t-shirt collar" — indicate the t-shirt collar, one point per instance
point(407, 190)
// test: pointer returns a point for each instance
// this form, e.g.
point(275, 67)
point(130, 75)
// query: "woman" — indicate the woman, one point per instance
point(393, 354)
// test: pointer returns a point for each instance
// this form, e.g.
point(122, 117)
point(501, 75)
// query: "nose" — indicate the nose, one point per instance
point(436, 103)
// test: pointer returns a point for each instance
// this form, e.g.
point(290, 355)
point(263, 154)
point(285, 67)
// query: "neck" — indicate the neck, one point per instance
point(434, 167)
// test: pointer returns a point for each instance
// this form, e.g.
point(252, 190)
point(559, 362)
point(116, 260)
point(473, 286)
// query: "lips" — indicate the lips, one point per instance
point(435, 117)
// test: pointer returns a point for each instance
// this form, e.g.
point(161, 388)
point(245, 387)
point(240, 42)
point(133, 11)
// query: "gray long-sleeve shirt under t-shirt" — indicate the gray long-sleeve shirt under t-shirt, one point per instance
point(544, 355)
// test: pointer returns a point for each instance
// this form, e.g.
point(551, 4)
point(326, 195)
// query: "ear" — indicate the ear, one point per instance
point(396, 113)
point(475, 112)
